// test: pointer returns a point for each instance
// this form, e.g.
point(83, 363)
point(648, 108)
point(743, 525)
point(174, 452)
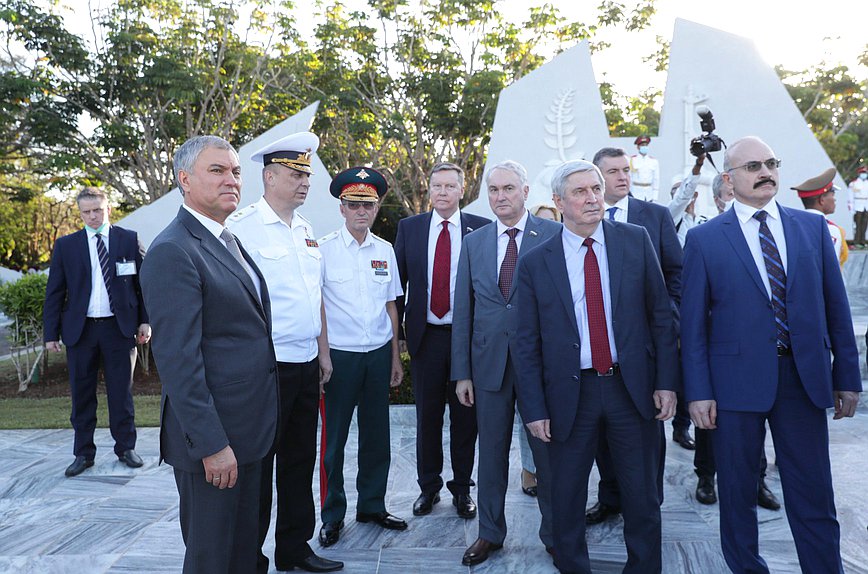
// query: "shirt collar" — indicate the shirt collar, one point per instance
point(215, 228)
point(572, 241)
point(269, 216)
point(744, 212)
point(104, 232)
point(522, 223)
point(348, 238)
point(454, 219)
point(620, 204)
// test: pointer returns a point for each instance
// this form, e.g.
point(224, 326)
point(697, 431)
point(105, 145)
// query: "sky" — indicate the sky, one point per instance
point(783, 32)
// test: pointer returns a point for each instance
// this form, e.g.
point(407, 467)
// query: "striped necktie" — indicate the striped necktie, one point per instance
point(777, 278)
point(102, 253)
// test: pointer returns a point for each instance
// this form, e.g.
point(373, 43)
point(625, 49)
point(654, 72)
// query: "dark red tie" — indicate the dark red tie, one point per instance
point(440, 276)
point(507, 267)
point(601, 355)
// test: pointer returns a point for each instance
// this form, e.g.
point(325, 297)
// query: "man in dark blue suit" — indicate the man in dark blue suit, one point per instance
point(767, 336)
point(427, 248)
point(614, 164)
point(597, 357)
point(93, 303)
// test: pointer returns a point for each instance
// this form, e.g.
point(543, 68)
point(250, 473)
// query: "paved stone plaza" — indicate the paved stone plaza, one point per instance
point(116, 519)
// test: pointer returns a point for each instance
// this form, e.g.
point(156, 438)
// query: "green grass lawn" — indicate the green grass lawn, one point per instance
point(53, 413)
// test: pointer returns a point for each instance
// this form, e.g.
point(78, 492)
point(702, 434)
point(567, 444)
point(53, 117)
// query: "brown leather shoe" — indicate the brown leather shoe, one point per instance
point(479, 552)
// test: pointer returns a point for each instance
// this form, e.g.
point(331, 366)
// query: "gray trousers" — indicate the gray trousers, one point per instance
point(495, 414)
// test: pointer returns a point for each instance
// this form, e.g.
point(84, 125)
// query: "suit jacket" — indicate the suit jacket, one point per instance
point(728, 341)
point(548, 346)
point(411, 251)
point(483, 324)
point(69, 286)
point(212, 344)
point(657, 221)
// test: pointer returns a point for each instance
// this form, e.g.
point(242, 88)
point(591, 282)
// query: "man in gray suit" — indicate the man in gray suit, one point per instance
point(212, 321)
point(484, 323)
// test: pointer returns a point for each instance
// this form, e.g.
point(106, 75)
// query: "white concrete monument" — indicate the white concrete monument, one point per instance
point(320, 208)
point(555, 114)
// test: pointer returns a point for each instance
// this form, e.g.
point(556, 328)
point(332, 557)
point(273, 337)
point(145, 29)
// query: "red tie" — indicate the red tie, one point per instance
point(507, 267)
point(440, 276)
point(601, 355)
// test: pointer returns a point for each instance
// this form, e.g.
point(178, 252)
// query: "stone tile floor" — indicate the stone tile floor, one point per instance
point(114, 519)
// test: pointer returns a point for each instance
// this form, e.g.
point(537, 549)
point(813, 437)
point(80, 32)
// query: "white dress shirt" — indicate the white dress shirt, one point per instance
point(574, 253)
point(621, 209)
point(358, 281)
point(216, 229)
point(750, 228)
point(434, 229)
point(98, 304)
point(288, 257)
point(503, 239)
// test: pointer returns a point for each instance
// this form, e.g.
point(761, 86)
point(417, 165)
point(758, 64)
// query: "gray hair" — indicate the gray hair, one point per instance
point(717, 186)
point(512, 166)
point(91, 193)
point(447, 166)
point(566, 169)
point(608, 152)
point(188, 153)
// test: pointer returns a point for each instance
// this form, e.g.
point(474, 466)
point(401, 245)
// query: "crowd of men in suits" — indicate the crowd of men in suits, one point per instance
point(597, 330)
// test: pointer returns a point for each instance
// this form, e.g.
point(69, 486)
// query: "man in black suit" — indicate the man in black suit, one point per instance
point(210, 308)
point(427, 248)
point(93, 303)
point(597, 356)
point(615, 167)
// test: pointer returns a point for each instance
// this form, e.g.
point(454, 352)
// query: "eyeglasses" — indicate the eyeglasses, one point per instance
point(366, 205)
point(755, 166)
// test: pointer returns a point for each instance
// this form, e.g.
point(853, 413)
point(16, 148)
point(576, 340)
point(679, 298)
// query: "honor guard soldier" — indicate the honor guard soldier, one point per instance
point(284, 247)
point(644, 172)
point(859, 204)
point(818, 196)
point(360, 285)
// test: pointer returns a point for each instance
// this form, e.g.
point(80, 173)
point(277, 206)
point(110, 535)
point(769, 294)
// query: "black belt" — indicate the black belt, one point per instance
point(613, 370)
point(439, 327)
point(784, 351)
point(100, 319)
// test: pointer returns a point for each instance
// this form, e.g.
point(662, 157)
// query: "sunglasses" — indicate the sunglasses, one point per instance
point(755, 166)
point(366, 205)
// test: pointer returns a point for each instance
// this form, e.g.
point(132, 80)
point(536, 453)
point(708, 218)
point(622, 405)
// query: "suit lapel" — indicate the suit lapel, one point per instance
point(490, 263)
point(635, 210)
point(792, 238)
point(82, 251)
point(732, 231)
point(615, 258)
point(218, 251)
point(531, 237)
point(556, 263)
point(422, 232)
point(465, 225)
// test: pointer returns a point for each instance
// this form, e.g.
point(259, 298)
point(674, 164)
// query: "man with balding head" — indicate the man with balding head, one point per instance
point(766, 335)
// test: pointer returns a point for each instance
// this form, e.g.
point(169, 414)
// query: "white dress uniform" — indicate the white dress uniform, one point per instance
point(859, 195)
point(644, 177)
point(834, 231)
point(358, 281)
point(290, 259)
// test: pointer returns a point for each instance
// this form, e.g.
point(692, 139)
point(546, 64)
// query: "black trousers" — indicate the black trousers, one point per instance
point(295, 451)
point(861, 218)
point(608, 491)
point(102, 342)
point(429, 369)
point(219, 526)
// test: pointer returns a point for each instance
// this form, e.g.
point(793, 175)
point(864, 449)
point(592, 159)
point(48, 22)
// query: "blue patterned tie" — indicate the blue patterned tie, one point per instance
point(777, 278)
point(102, 253)
point(612, 211)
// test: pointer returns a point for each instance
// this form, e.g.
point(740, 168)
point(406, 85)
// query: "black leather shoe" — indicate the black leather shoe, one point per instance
point(465, 505)
point(600, 512)
point(131, 459)
point(528, 483)
point(330, 532)
point(314, 563)
point(682, 437)
point(425, 503)
point(705, 490)
point(383, 519)
point(78, 465)
point(479, 552)
point(766, 498)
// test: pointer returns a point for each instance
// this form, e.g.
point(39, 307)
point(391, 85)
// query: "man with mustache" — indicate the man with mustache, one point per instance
point(766, 336)
point(282, 243)
point(360, 285)
point(597, 358)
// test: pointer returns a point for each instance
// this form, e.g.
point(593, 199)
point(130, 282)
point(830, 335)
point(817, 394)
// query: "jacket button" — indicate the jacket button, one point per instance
point(576, 378)
point(509, 306)
point(576, 346)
